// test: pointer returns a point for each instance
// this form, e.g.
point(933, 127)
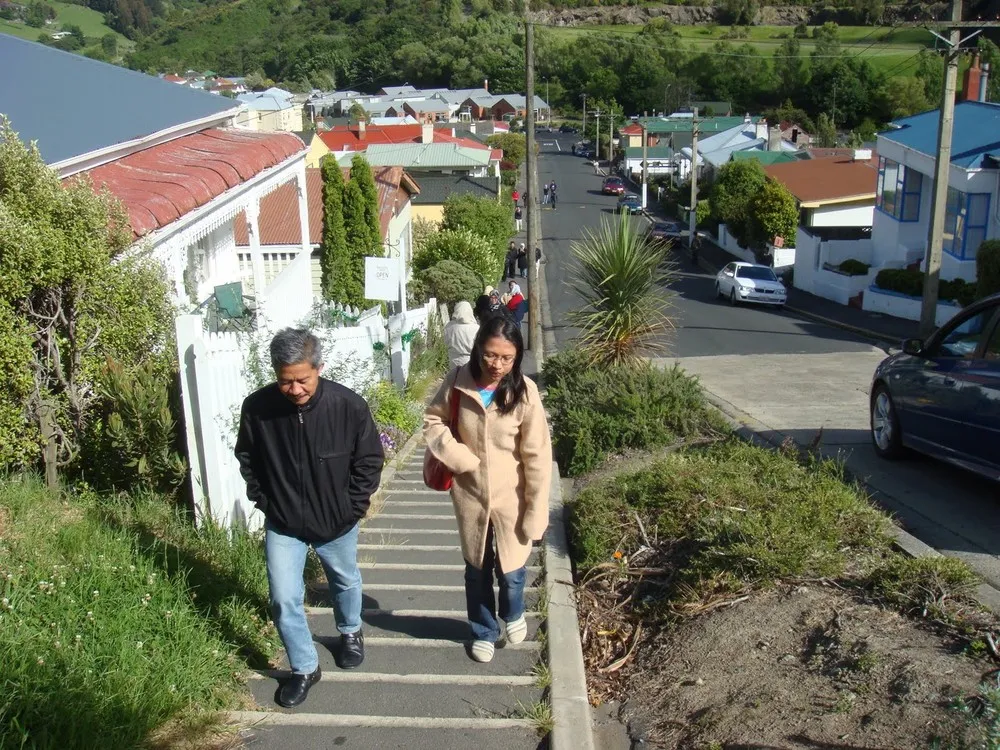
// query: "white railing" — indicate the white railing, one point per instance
point(219, 370)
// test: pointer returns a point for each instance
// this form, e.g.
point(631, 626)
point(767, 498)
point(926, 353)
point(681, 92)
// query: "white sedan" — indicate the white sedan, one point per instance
point(749, 282)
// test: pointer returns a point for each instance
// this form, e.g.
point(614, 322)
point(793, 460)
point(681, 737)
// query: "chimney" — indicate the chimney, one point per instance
point(774, 138)
point(427, 133)
point(362, 132)
point(983, 80)
point(486, 84)
point(970, 83)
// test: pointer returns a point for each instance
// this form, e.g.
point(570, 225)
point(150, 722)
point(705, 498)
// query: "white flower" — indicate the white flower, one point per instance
point(96, 593)
point(138, 644)
point(41, 660)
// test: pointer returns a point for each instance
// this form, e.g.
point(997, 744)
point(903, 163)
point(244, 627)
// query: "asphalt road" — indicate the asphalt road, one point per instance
point(791, 374)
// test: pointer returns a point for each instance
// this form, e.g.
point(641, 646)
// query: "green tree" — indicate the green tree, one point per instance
point(450, 282)
point(361, 173)
point(790, 68)
point(71, 298)
point(486, 217)
point(109, 45)
point(76, 32)
point(357, 113)
point(826, 131)
point(774, 212)
point(514, 146)
point(621, 278)
point(334, 260)
point(462, 246)
point(358, 237)
point(733, 193)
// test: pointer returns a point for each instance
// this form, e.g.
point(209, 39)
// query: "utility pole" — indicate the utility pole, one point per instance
point(597, 135)
point(611, 136)
point(939, 203)
point(645, 176)
point(583, 128)
point(693, 218)
point(534, 342)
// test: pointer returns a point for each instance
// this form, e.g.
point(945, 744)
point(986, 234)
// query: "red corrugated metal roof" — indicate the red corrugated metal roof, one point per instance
point(347, 138)
point(160, 184)
point(279, 210)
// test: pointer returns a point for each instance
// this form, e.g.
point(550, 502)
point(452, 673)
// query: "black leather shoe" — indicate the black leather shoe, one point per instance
point(352, 650)
point(293, 692)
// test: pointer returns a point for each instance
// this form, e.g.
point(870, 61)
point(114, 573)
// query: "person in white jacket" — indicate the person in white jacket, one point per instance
point(460, 334)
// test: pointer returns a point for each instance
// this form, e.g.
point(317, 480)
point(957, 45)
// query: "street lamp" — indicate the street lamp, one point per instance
point(583, 128)
point(548, 100)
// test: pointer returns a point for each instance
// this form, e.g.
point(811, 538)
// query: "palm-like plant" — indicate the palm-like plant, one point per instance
point(621, 278)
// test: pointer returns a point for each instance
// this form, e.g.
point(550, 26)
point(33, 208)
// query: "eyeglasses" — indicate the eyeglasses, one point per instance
point(504, 359)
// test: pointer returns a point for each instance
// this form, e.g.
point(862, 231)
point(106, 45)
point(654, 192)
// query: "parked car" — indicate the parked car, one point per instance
point(613, 186)
point(567, 129)
point(750, 282)
point(630, 203)
point(662, 231)
point(942, 396)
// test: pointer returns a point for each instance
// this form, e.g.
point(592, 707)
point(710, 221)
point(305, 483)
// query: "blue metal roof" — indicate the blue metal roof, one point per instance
point(73, 105)
point(976, 133)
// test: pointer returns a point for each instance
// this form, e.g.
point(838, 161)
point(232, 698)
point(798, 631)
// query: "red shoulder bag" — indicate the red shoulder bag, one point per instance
point(437, 476)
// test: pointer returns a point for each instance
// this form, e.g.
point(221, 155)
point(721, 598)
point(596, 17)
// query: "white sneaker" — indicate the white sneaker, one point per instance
point(482, 651)
point(517, 630)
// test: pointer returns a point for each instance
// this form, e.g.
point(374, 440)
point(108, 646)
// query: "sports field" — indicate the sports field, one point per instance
point(91, 22)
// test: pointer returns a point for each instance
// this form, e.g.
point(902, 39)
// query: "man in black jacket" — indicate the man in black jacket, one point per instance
point(311, 457)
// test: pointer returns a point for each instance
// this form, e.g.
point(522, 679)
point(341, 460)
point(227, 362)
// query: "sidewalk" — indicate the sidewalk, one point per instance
point(884, 328)
point(418, 688)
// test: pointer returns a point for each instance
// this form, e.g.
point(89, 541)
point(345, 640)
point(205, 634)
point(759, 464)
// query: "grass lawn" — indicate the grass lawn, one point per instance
point(91, 22)
point(885, 48)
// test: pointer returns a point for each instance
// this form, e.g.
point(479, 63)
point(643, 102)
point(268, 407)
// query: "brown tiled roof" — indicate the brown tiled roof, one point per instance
point(279, 210)
point(830, 180)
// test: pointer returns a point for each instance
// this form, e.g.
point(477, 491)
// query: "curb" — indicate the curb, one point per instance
point(750, 429)
point(572, 724)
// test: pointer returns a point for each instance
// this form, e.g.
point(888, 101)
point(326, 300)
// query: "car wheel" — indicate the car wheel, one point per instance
point(732, 297)
point(887, 438)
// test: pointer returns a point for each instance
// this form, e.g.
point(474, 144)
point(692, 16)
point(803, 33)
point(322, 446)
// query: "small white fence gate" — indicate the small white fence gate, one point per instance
point(219, 370)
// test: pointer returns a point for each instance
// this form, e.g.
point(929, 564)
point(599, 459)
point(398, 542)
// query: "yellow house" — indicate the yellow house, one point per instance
point(436, 188)
point(272, 109)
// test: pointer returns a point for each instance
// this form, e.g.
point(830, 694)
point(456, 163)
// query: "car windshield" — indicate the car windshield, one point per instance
point(755, 272)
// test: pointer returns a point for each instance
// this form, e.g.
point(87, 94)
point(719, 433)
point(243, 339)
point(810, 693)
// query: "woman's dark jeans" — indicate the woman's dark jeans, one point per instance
point(480, 601)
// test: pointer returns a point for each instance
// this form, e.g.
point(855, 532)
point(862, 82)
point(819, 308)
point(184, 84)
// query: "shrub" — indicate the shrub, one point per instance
point(730, 515)
point(508, 177)
point(513, 145)
point(597, 411)
point(702, 213)
point(451, 282)
point(910, 281)
point(390, 407)
point(854, 267)
point(988, 269)
point(462, 246)
point(620, 277)
point(486, 217)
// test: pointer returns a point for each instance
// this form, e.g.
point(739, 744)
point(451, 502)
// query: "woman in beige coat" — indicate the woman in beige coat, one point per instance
point(502, 465)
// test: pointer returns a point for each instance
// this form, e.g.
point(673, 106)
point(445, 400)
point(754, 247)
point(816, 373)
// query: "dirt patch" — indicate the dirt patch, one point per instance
point(802, 666)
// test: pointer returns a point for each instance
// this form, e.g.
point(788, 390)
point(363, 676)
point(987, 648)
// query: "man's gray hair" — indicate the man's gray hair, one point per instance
point(293, 345)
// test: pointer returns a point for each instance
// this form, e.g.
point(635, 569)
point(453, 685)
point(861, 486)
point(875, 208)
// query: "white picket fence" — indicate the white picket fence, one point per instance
point(219, 370)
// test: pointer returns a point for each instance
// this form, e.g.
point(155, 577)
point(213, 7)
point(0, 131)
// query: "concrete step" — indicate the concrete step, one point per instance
point(431, 507)
point(412, 492)
point(391, 738)
point(415, 521)
point(435, 555)
point(413, 575)
point(416, 700)
point(449, 624)
point(408, 474)
point(414, 537)
point(400, 655)
point(408, 597)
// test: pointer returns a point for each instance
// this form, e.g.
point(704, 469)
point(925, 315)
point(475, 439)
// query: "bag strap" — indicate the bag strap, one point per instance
point(453, 398)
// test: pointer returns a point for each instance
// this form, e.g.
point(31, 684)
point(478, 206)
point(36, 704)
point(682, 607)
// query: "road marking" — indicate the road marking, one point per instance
point(274, 718)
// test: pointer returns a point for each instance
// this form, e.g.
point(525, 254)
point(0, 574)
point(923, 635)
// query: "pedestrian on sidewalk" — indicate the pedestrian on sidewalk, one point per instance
point(510, 262)
point(517, 218)
point(312, 458)
point(597, 166)
point(538, 259)
point(516, 196)
point(501, 456)
point(545, 194)
point(460, 334)
point(522, 261)
point(552, 194)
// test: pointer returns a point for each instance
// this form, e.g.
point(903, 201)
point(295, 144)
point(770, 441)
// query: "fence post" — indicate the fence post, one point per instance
point(189, 330)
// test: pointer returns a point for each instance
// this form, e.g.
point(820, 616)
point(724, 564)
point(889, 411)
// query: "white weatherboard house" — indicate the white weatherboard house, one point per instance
point(905, 190)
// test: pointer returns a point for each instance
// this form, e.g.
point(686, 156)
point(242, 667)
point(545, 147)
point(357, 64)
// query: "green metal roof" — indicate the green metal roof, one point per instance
point(767, 158)
point(422, 156)
point(660, 125)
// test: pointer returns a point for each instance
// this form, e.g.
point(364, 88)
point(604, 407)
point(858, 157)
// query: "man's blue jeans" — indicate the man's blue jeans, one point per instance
point(286, 562)
point(480, 601)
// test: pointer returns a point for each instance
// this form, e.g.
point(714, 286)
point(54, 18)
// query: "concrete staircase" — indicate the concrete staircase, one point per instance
point(418, 688)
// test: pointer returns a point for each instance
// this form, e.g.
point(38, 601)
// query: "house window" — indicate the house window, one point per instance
point(965, 223)
point(898, 193)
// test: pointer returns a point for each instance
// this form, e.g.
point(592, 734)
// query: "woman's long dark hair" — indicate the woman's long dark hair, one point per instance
point(511, 388)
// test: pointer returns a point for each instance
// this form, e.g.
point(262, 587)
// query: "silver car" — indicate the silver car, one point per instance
point(750, 282)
